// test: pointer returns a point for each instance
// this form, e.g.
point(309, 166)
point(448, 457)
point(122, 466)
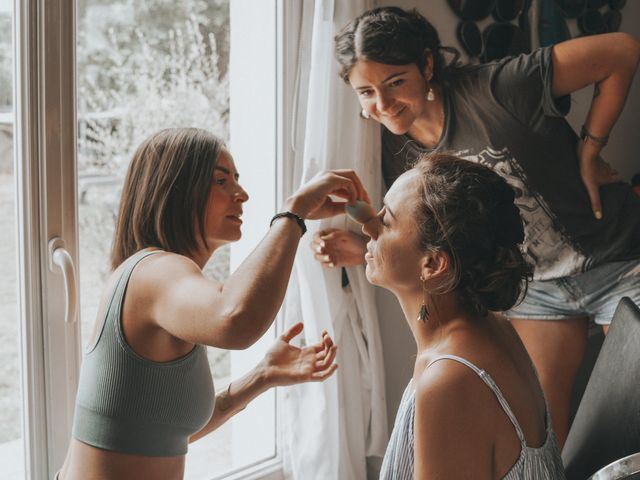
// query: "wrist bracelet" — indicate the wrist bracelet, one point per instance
point(292, 215)
point(585, 135)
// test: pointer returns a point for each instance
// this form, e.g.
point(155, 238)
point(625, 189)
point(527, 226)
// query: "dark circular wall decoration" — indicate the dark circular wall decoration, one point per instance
point(571, 8)
point(507, 10)
point(502, 40)
point(591, 22)
point(472, 9)
point(596, 3)
point(470, 38)
point(617, 4)
point(511, 33)
point(613, 18)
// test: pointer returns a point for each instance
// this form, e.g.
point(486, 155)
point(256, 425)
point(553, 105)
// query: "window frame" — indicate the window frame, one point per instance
point(255, 109)
point(44, 160)
point(45, 163)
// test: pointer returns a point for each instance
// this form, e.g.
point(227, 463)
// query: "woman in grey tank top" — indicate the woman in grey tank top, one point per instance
point(145, 387)
point(446, 243)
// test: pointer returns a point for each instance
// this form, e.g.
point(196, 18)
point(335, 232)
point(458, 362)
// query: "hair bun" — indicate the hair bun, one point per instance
point(467, 210)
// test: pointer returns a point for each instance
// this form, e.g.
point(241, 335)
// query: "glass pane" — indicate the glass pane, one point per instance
point(11, 447)
point(141, 67)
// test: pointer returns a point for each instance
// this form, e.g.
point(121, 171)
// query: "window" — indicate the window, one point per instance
point(11, 451)
point(140, 66)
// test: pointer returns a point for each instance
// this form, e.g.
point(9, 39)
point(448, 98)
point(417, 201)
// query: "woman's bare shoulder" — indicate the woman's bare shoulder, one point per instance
point(454, 413)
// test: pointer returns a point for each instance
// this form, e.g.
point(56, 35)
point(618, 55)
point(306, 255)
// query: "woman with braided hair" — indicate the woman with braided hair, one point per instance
point(581, 222)
point(474, 407)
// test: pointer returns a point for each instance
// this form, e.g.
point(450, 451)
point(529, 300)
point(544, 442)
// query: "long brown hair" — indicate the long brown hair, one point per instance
point(165, 193)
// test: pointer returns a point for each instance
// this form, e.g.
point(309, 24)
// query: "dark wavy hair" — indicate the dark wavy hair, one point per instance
point(165, 193)
point(468, 211)
point(392, 36)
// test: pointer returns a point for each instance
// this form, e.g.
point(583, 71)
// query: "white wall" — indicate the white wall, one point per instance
point(623, 152)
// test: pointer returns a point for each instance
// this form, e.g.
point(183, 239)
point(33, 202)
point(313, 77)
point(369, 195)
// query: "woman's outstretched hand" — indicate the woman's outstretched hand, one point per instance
point(339, 248)
point(286, 364)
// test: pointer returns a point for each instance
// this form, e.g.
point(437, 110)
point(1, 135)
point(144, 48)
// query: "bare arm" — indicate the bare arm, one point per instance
point(283, 365)
point(608, 62)
point(234, 399)
point(233, 315)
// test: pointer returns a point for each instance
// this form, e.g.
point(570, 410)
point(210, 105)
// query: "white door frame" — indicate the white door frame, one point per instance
point(45, 160)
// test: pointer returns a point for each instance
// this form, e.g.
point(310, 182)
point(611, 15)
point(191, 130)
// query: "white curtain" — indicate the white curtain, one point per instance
point(332, 427)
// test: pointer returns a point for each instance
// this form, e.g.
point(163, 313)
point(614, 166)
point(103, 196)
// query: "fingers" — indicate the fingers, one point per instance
point(324, 365)
point(323, 346)
point(325, 354)
point(325, 260)
point(318, 247)
point(324, 247)
point(594, 196)
point(325, 362)
point(292, 332)
point(314, 199)
point(336, 208)
point(320, 376)
point(322, 241)
point(327, 340)
point(361, 191)
point(346, 184)
point(339, 248)
point(329, 207)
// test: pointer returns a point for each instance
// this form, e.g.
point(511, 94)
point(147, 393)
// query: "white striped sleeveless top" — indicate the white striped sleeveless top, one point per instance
point(543, 463)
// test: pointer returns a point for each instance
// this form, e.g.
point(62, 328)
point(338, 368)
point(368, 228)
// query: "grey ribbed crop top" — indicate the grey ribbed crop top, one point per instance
point(129, 404)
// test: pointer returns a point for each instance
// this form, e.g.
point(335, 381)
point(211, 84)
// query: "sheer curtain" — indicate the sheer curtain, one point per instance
point(332, 427)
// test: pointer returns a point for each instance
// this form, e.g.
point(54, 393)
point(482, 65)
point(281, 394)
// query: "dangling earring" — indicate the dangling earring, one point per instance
point(364, 114)
point(423, 315)
point(430, 95)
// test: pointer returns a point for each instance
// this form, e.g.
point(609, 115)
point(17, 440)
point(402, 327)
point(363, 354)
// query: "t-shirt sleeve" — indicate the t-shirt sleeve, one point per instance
point(522, 85)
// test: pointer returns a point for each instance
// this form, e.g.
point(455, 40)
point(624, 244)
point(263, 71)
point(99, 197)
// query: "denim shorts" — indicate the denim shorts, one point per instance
point(594, 294)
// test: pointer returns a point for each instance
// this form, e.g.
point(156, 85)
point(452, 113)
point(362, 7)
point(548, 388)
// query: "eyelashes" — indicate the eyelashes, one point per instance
point(381, 219)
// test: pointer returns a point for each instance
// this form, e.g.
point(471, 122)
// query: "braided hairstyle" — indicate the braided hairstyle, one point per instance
point(467, 210)
point(392, 36)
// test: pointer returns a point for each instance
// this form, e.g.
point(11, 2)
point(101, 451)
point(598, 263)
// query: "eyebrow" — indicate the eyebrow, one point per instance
point(227, 171)
point(385, 80)
point(389, 210)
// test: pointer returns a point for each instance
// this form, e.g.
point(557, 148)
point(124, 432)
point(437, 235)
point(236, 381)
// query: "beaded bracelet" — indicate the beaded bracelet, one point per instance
point(585, 135)
point(292, 215)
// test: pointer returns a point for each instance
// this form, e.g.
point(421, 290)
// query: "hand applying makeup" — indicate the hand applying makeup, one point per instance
point(341, 248)
point(360, 211)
